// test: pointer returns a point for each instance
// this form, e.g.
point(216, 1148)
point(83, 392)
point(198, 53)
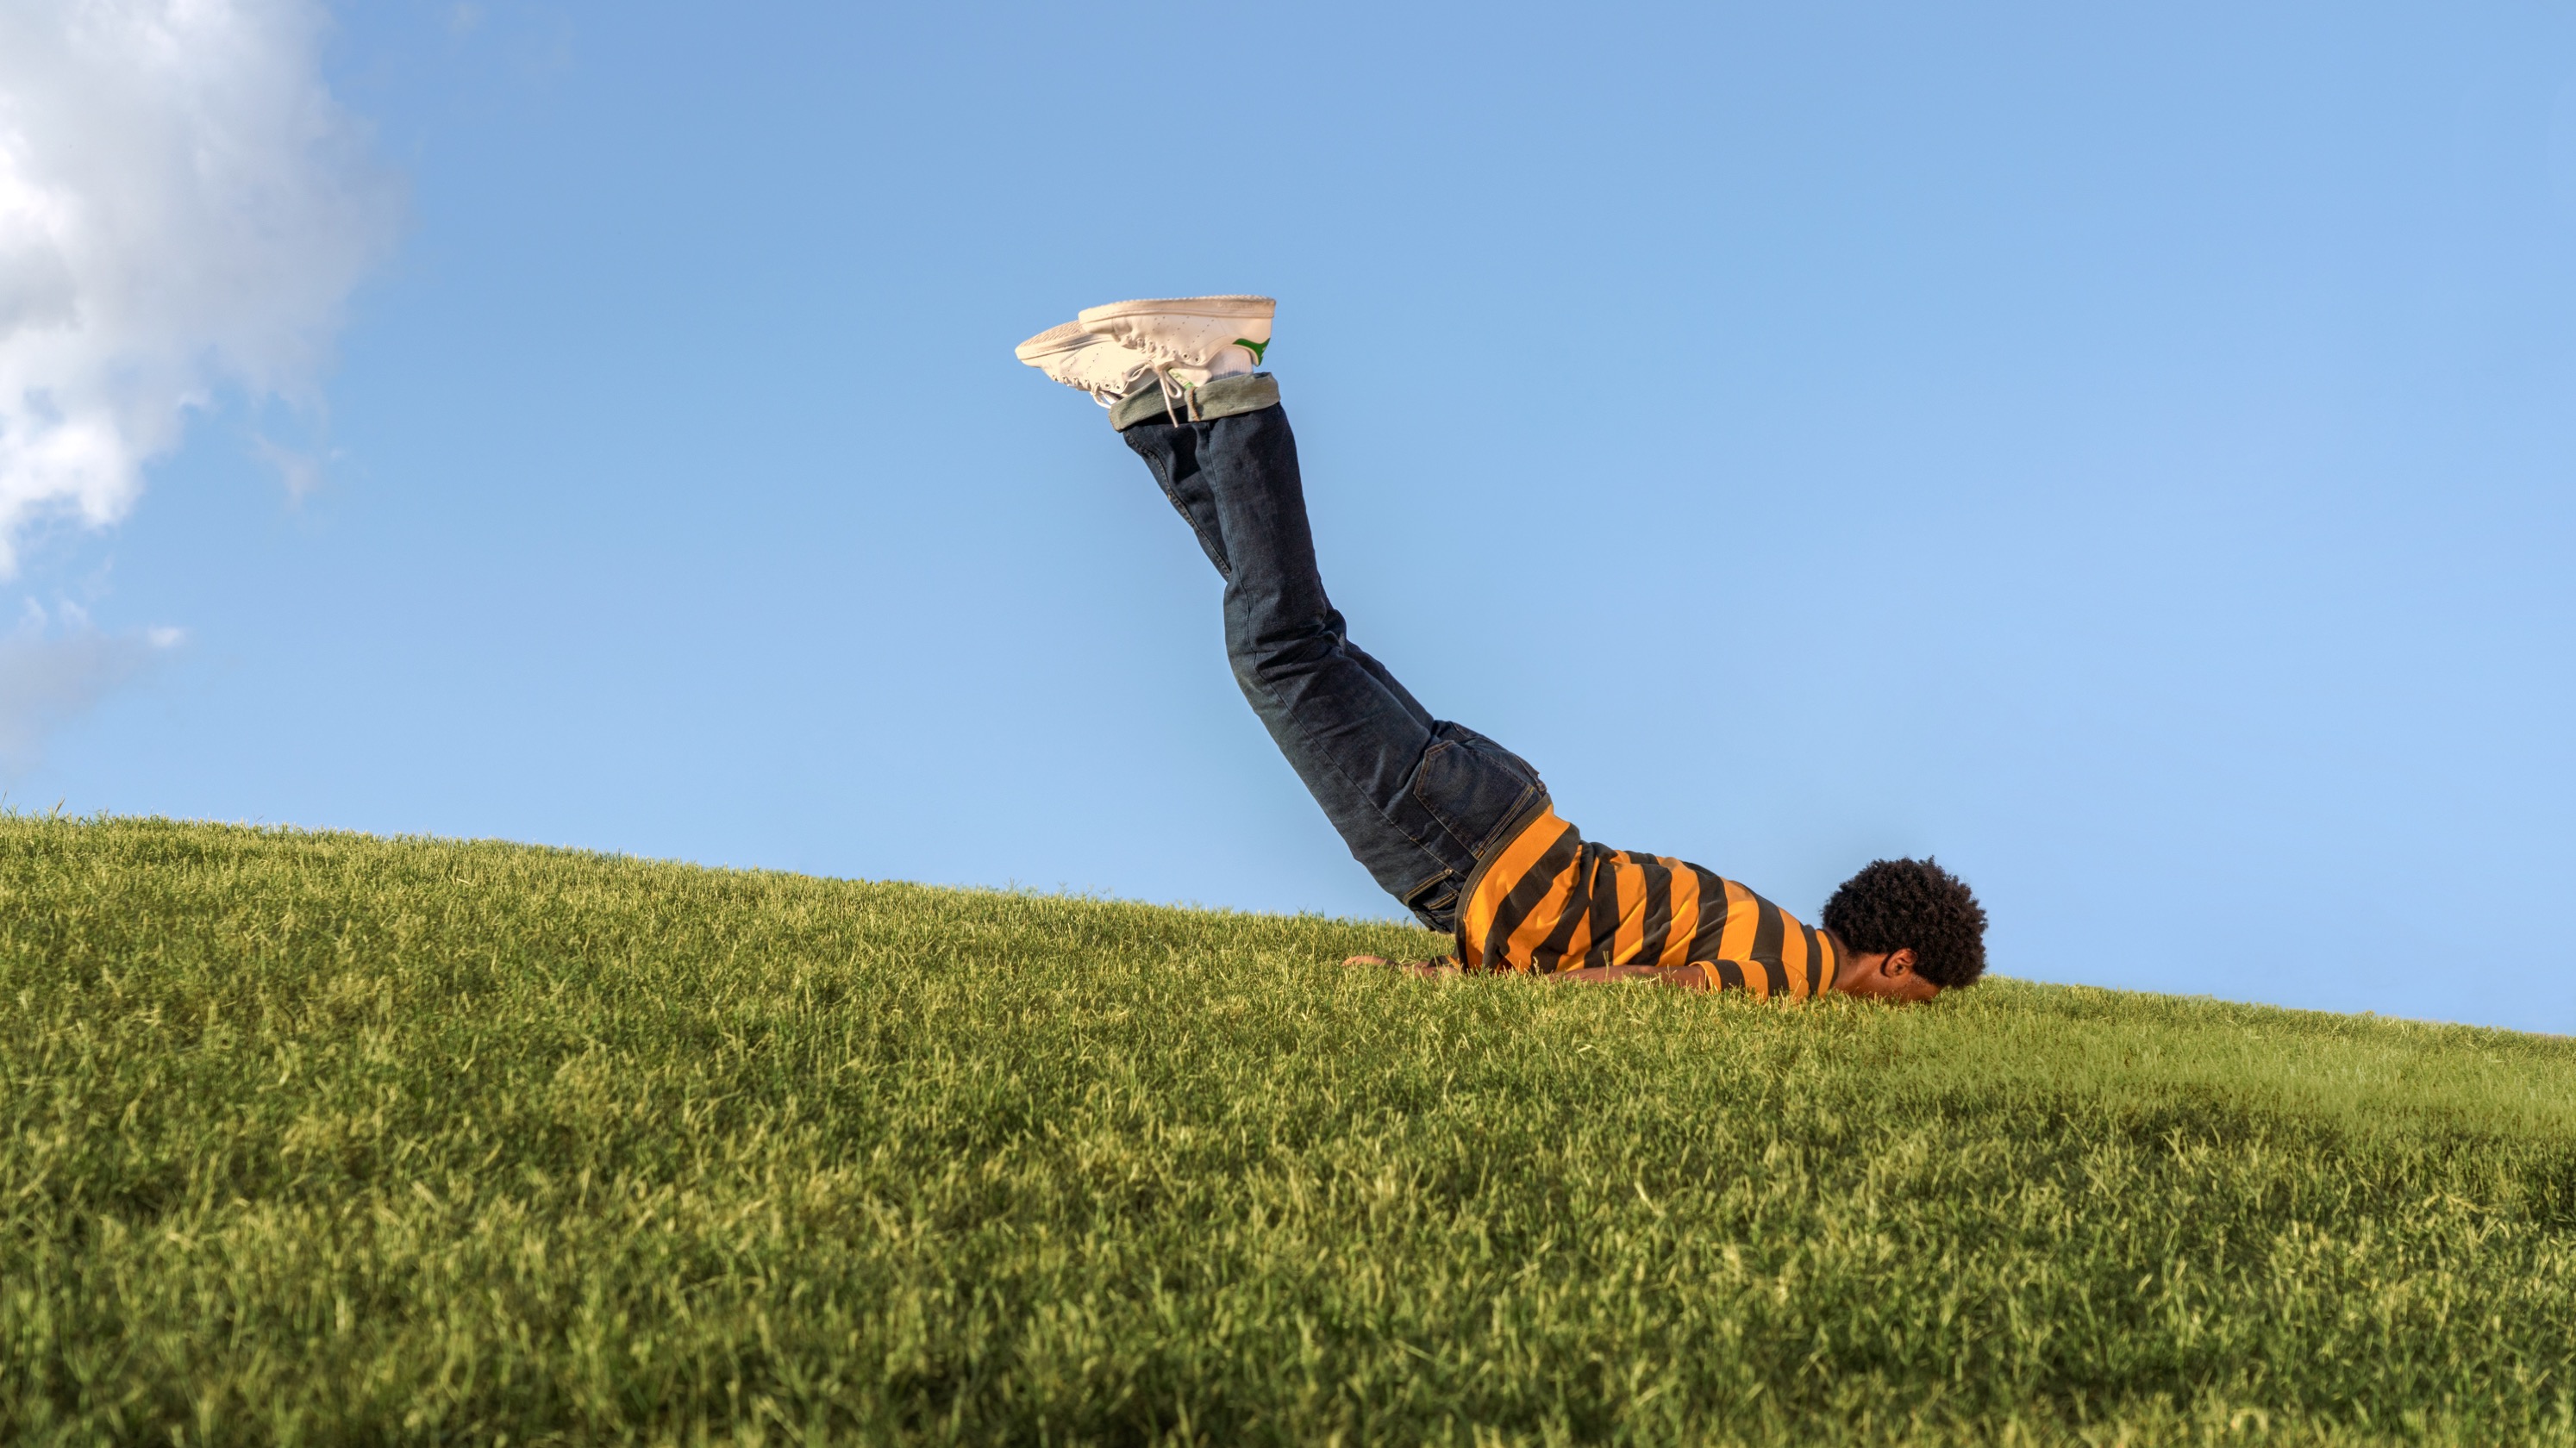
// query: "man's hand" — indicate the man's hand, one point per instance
point(1446, 965)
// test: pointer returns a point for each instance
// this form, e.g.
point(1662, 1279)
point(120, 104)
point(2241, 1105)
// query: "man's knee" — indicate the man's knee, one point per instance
point(1261, 657)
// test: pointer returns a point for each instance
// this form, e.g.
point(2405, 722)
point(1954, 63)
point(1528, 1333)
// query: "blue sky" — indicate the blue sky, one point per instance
point(2128, 453)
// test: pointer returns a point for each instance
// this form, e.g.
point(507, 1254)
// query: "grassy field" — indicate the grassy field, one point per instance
point(330, 1139)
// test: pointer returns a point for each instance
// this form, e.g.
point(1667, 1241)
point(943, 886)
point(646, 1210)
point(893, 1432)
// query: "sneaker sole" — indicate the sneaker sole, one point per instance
point(1183, 307)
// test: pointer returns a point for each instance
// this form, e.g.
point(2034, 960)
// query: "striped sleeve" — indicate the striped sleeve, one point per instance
point(1627, 940)
point(1684, 919)
point(1752, 945)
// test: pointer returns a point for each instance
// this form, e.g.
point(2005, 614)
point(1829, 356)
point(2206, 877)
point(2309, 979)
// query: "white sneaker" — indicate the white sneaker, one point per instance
point(1190, 340)
point(1076, 357)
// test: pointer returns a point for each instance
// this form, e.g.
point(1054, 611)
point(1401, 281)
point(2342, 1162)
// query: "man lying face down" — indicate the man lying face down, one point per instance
point(1451, 823)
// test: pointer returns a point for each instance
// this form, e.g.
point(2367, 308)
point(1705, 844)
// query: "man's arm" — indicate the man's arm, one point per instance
point(1688, 977)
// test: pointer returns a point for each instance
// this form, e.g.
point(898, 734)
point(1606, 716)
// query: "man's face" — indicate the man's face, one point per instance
point(1887, 975)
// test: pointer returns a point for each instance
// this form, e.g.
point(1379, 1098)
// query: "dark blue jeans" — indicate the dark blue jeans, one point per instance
point(1417, 799)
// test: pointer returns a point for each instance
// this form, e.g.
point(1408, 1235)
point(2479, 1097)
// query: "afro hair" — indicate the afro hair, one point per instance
point(1894, 904)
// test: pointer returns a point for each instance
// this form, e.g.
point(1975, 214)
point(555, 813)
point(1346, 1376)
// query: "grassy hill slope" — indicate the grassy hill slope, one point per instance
point(324, 1138)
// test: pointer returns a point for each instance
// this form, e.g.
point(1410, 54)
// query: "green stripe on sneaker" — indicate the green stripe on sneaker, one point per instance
point(1255, 348)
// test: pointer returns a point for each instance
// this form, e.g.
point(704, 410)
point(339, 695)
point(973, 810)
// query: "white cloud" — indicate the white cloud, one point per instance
point(53, 668)
point(183, 206)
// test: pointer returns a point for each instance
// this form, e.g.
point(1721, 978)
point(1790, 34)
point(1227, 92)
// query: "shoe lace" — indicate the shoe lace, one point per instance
point(1178, 396)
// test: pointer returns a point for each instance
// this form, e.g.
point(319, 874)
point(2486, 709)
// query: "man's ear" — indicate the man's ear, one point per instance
point(1899, 962)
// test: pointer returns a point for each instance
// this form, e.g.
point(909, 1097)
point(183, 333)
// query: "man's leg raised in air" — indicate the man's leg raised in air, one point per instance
point(1415, 798)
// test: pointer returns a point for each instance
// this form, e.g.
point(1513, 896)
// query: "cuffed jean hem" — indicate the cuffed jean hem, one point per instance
point(1226, 396)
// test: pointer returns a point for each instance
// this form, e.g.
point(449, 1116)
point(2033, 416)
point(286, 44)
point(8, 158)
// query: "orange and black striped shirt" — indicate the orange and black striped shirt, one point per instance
point(1547, 901)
